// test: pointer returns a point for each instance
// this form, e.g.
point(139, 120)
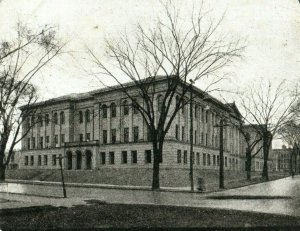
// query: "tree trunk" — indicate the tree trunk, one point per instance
point(156, 157)
point(266, 148)
point(2, 172)
point(2, 166)
point(248, 164)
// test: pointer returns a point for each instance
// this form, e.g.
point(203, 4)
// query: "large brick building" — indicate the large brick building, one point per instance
point(100, 131)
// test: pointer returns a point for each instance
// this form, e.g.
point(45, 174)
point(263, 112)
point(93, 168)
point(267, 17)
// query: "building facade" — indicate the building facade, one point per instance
point(100, 130)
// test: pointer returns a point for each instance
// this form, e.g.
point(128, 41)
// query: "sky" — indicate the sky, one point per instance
point(270, 29)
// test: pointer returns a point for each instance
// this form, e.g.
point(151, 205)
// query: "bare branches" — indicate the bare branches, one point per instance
point(20, 60)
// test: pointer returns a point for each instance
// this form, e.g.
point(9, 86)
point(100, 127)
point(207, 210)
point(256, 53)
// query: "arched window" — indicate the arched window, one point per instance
point(160, 103)
point(104, 111)
point(32, 120)
point(135, 107)
point(80, 117)
point(183, 106)
point(125, 107)
point(87, 116)
point(113, 109)
point(55, 118)
point(62, 117)
point(47, 120)
point(40, 118)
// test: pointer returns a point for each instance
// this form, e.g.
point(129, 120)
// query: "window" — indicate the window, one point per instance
point(160, 103)
point(62, 117)
point(206, 116)
point(135, 134)
point(218, 160)
point(33, 121)
point(113, 136)
point(104, 136)
point(202, 114)
point(196, 111)
point(111, 157)
point(183, 106)
point(40, 118)
point(45, 160)
point(87, 136)
point(148, 156)
point(149, 138)
point(195, 137)
point(225, 161)
point(178, 156)
point(31, 160)
point(125, 107)
point(56, 139)
point(208, 159)
point(202, 138)
point(104, 111)
point(102, 157)
point(206, 139)
point(124, 157)
point(204, 159)
point(55, 118)
point(113, 109)
point(41, 142)
point(28, 143)
point(185, 157)
point(33, 142)
point(80, 137)
point(126, 135)
point(80, 117)
point(47, 139)
point(182, 133)
point(62, 138)
point(87, 116)
point(237, 163)
point(39, 160)
point(214, 160)
point(47, 120)
point(135, 109)
point(26, 161)
point(134, 157)
point(177, 132)
point(198, 158)
point(53, 160)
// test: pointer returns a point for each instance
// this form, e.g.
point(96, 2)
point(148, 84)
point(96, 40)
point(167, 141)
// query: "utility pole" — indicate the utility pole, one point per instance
point(191, 138)
point(221, 173)
point(62, 175)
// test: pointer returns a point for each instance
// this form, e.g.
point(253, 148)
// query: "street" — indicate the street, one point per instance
point(276, 197)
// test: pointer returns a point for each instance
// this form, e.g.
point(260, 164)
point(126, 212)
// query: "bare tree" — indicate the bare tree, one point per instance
point(175, 52)
point(21, 59)
point(267, 107)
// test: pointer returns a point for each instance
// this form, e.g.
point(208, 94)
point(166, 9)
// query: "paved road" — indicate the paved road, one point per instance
point(278, 197)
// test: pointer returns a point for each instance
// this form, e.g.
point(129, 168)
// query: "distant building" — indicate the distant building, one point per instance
point(257, 162)
point(283, 157)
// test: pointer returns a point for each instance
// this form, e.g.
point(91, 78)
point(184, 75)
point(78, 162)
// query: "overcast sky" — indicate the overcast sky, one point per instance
point(271, 29)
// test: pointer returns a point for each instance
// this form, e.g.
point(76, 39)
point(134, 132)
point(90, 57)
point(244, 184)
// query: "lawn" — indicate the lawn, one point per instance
point(96, 214)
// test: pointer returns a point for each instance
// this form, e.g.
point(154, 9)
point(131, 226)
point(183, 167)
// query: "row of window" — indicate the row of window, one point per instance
point(31, 142)
point(125, 157)
point(113, 109)
point(47, 119)
point(207, 159)
point(204, 139)
point(39, 161)
point(113, 135)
